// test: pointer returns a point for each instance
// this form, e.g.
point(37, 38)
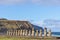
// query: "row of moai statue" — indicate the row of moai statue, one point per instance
point(28, 33)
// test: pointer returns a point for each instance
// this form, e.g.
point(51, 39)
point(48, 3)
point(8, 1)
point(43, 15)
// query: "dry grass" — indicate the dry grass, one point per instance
point(23, 38)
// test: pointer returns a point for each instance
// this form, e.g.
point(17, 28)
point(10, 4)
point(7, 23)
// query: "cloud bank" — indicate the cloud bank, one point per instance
point(54, 25)
point(40, 2)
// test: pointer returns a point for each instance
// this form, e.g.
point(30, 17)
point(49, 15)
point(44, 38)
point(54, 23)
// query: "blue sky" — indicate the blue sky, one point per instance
point(30, 11)
point(35, 11)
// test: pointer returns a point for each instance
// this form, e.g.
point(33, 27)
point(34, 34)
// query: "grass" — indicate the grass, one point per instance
point(22, 38)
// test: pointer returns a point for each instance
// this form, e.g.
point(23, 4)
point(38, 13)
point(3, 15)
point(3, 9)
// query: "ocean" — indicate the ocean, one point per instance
point(56, 34)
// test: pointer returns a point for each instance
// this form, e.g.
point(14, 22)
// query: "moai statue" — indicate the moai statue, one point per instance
point(11, 33)
point(21, 32)
point(7, 33)
point(32, 31)
point(29, 33)
point(26, 33)
point(45, 31)
point(16, 32)
point(36, 33)
point(49, 33)
point(40, 32)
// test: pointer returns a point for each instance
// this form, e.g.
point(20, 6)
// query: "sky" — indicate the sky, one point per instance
point(35, 11)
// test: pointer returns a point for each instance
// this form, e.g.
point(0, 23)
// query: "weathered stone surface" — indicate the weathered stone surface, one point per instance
point(21, 33)
point(49, 33)
point(36, 33)
point(40, 33)
point(32, 32)
point(29, 34)
point(26, 33)
point(45, 31)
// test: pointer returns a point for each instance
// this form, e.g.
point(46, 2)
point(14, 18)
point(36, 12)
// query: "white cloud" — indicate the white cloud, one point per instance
point(47, 2)
point(40, 2)
point(12, 1)
point(53, 27)
point(39, 23)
